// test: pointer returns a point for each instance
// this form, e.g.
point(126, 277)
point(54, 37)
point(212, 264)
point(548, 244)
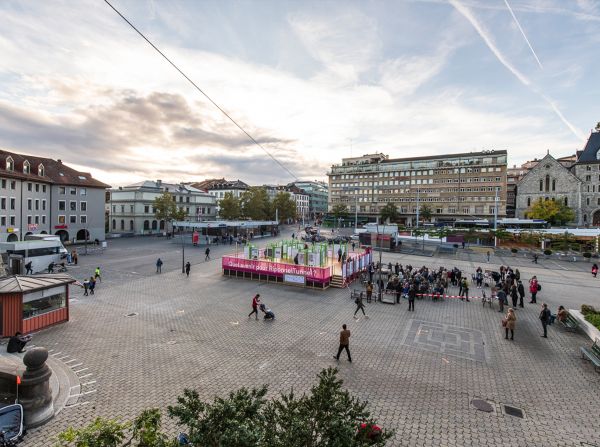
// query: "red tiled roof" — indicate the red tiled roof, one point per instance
point(54, 171)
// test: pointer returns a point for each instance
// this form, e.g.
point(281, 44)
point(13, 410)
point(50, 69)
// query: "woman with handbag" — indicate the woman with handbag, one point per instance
point(508, 322)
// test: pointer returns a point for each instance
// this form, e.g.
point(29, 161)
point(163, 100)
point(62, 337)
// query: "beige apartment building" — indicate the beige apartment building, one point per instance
point(456, 186)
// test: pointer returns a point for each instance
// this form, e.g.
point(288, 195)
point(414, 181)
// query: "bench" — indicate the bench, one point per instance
point(592, 353)
point(570, 323)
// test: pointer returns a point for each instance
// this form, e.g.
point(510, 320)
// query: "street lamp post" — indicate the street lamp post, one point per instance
point(496, 217)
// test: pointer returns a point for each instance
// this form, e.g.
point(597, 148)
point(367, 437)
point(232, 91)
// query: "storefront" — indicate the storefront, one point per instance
point(31, 303)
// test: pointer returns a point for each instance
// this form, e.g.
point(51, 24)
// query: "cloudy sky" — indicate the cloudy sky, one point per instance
point(312, 81)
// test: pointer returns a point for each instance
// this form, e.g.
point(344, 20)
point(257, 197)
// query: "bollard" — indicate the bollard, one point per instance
point(35, 393)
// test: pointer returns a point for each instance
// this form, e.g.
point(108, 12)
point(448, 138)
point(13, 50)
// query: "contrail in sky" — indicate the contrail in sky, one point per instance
point(489, 41)
point(523, 33)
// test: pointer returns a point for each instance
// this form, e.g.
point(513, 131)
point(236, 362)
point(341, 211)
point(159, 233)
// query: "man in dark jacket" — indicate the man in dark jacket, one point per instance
point(521, 290)
point(412, 294)
point(17, 343)
point(344, 343)
point(545, 318)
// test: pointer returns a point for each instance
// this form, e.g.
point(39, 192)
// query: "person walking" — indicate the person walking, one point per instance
point(339, 253)
point(97, 274)
point(545, 319)
point(92, 285)
point(29, 268)
point(188, 266)
point(207, 254)
point(488, 256)
point(74, 257)
point(255, 304)
point(509, 322)
point(412, 294)
point(514, 295)
point(594, 270)
point(465, 289)
point(535, 259)
point(344, 343)
point(534, 288)
point(86, 286)
point(359, 306)
point(369, 288)
point(159, 264)
point(521, 291)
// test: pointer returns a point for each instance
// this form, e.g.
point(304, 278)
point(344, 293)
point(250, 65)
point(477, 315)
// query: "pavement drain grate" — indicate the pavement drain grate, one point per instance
point(482, 405)
point(132, 314)
point(514, 411)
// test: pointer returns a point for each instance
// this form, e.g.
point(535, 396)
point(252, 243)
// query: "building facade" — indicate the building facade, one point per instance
point(219, 187)
point(44, 196)
point(318, 193)
point(587, 169)
point(460, 186)
point(131, 208)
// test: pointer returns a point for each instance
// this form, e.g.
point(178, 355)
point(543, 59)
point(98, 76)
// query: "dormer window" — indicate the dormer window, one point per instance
point(26, 167)
point(10, 164)
point(41, 170)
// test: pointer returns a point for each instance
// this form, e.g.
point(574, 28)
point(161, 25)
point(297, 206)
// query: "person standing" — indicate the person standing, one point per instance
point(188, 266)
point(74, 257)
point(28, 268)
point(97, 274)
point(534, 287)
point(514, 295)
point(412, 293)
point(360, 306)
point(488, 256)
point(353, 245)
point(594, 270)
point(545, 319)
point(369, 288)
point(92, 285)
point(159, 264)
point(339, 253)
point(501, 295)
point(344, 343)
point(255, 304)
point(521, 291)
point(465, 289)
point(509, 323)
point(207, 254)
point(86, 286)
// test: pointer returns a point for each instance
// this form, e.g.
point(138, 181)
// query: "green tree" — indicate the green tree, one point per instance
point(326, 416)
point(165, 208)
point(285, 206)
point(389, 213)
point(339, 211)
point(425, 212)
point(230, 207)
point(255, 204)
point(552, 211)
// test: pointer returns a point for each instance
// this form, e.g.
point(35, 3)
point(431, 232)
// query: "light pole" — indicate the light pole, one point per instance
point(496, 217)
point(182, 250)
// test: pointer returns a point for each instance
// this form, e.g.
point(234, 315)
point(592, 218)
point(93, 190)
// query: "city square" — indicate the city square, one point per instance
point(144, 337)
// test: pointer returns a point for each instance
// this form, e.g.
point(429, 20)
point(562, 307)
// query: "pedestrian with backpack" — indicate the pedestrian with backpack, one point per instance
point(534, 288)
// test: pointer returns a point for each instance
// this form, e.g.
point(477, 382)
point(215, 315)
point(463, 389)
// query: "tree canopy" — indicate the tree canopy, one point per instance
point(255, 204)
point(425, 212)
point(285, 206)
point(340, 211)
point(326, 416)
point(389, 213)
point(230, 207)
point(165, 208)
point(552, 211)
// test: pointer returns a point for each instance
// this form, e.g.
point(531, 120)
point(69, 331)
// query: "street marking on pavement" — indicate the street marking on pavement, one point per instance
point(171, 342)
point(445, 360)
point(180, 311)
point(88, 383)
point(558, 265)
point(264, 365)
point(71, 361)
point(86, 375)
point(234, 322)
point(84, 369)
point(77, 404)
point(57, 353)
point(75, 366)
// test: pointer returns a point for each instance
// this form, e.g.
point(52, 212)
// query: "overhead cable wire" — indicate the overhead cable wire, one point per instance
point(200, 90)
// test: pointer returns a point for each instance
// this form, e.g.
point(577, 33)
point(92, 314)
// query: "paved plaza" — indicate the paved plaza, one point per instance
point(144, 337)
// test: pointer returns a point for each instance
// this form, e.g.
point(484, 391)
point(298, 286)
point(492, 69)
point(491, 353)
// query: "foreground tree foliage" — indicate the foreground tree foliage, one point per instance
point(554, 212)
point(327, 416)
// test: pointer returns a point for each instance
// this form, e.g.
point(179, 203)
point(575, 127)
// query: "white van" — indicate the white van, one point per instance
point(40, 252)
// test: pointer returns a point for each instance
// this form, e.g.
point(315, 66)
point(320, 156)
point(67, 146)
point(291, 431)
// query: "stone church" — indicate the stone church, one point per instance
point(577, 186)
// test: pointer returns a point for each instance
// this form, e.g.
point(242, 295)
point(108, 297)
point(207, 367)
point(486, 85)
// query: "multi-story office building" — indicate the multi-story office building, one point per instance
point(44, 196)
point(131, 208)
point(317, 194)
point(463, 186)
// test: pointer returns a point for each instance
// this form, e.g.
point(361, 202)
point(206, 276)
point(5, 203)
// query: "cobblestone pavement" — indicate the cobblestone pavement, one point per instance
point(419, 370)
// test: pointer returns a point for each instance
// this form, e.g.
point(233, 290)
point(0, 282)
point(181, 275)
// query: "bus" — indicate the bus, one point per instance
point(40, 252)
point(522, 224)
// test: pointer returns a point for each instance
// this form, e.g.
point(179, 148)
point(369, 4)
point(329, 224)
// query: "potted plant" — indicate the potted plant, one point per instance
point(587, 255)
point(547, 252)
point(514, 251)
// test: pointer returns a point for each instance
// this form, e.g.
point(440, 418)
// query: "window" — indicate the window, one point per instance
point(41, 170)
point(44, 219)
point(83, 219)
point(3, 221)
point(82, 206)
point(3, 203)
point(587, 201)
point(122, 208)
point(29, 204)
point(73, 191)
point(43, 188)
point(114, 208)
point(37, 204)
point(37, 220)
point(13, 201)
point(34, 304)
point(3, 183)
point(62, 205)
point(83, 191)
point(62, 190)
point(588, 178)
point(553, 184)
point(146, 209)
point(114, 224)
point(37, 187)
point(146, 225)
point(29, 220)
point(13, 220)
point(43, 204)
point(61, 219)
point(547, 183)
point(10, 164)
point(541, 185)
point(29, 186)
point(131, 208)
point(26, 167)
point(131, 225)
point(72, 219)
